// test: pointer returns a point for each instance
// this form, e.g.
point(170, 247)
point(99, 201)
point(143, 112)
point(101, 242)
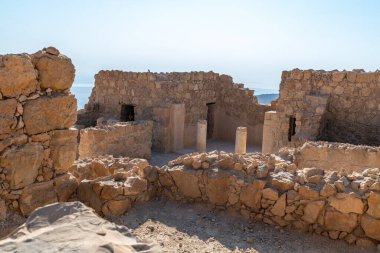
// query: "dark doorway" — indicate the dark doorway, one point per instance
point(210, 120)
point(127, 113)
point(292, 128)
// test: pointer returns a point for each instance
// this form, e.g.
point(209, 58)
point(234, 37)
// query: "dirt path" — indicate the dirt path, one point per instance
point(184, 227)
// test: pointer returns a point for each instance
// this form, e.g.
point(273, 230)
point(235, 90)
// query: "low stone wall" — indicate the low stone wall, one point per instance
point(272, 190)
point(337, 156)
point(37, 145)
point(112, 185)
point(132, 139)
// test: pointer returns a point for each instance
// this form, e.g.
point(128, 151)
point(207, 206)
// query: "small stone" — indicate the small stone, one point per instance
point(334, 234)
point(40, 178)
point(205, 165)
point(51, 50)
point(350, 239)
point(22, 98)
point(238, 166)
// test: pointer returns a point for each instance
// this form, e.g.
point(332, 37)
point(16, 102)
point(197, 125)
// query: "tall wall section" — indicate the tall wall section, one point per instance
point(338, 106)
point(148, 92)
point(37, 146)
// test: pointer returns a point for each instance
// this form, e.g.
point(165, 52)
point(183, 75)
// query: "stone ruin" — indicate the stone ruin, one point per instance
point(308, 182)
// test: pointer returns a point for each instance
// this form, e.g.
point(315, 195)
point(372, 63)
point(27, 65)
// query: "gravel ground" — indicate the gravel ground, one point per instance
point(185, 227)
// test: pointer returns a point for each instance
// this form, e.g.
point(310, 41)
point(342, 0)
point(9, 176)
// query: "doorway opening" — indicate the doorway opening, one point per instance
point(210, 120)
point(292, 128)
point(127, 113)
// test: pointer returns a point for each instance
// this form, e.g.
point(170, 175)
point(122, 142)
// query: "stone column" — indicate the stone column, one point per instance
point(269, 132)
point(241, 140)
point(201, 135)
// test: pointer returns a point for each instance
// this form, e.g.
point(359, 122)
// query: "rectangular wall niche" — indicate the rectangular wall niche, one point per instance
point(292, 128)
point(210, 120)
point(127, 113)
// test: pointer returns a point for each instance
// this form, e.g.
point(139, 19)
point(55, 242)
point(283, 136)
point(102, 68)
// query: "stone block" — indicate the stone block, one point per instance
point(65, 185)
point(7, 115)
point(22, 164)
point(251, 194)
point(63, 149)
point(49, 113)
point(374, 205)
point(371, 226)
point(346, 203)
point(312, 211)
point(187, 182)
point(335, 220)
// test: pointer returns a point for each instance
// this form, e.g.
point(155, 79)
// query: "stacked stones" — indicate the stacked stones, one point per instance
point(113, 185)
point(268, 188)
point(36, 145)
point(339, 106)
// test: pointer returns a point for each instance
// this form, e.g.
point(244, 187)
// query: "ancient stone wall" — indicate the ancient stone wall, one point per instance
point(272, 190)
point(148, 92)
point(337, 156)
point(37, 145)
point(327, 105)
point(132, 139)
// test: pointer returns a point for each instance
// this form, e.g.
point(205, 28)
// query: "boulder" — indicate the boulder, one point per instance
point(283, 181)
point(37, 195)
point(7, 115)
point(218, 182)
point(346, 203)
point(335, 220)
point(55, 71)
point(251, 194)
point(63, 149)
point(371, 226)
point(22, 164)
point(65, 185)
point(49, 113)
point(312, 211)
point(17, 76)
point(279, 207)
point(187, 182)
point(374, 205)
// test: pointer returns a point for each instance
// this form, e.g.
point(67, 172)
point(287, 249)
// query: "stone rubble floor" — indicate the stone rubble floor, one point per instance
point(193, 227)
point(160, 159)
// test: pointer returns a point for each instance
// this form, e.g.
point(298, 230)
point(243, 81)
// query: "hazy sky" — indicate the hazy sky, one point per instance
point(253, 41)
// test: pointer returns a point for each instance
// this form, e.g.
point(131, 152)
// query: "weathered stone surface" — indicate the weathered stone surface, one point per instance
point(279, 207)
point(49, 113)
point(307, 192)
point(270, 193)
point(374, 205)
point(65, 185)
point(37, 195)
point(63, 149)
point(17, 76)
point(55, 71)
point(22, 164)
point(135, 185)
point(283, 181)
point(346, 203)
point(7, 118)
point(312, 210)
point(371, 226)
point(87, 195)
point(217, 186)
point(187, 182)
point(251, 194)
point(116, 207)
point(335, 220)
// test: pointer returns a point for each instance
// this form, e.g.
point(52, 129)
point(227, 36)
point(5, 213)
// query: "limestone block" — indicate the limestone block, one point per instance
point(346, 203)
point(135, 185)
point(7, 118)
point(187, 182)
point(371, 226)
point(335, 220)
point(270, 194)
point(308, 192)
point(374, 205)
point(55, 71)
point(49, 113)
point(17, 76)
point(63, 149)
point(312, 211)
point(37, 195)
point(116, 207)
point(22, 164)
point(279, 207)
point(218, 182)
point(251, 195)
point(65, 185)
point(283, 181)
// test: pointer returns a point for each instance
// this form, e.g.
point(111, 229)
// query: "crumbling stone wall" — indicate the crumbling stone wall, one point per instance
point(235, 106)
point(337, 106)
point(37, 145)
point(132, 139)
point(337, 156)
point(272, 190)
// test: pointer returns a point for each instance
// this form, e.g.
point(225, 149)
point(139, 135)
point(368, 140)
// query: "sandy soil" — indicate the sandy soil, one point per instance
point(185, 227)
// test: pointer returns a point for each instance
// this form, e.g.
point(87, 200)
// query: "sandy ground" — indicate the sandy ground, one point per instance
point(185, 227)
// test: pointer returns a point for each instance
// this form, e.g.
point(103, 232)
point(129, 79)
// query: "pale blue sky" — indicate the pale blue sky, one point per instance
point(253, 41)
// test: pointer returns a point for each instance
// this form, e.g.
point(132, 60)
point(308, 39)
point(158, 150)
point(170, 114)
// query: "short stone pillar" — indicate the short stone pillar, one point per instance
point(241, 140)
point(201, 136)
